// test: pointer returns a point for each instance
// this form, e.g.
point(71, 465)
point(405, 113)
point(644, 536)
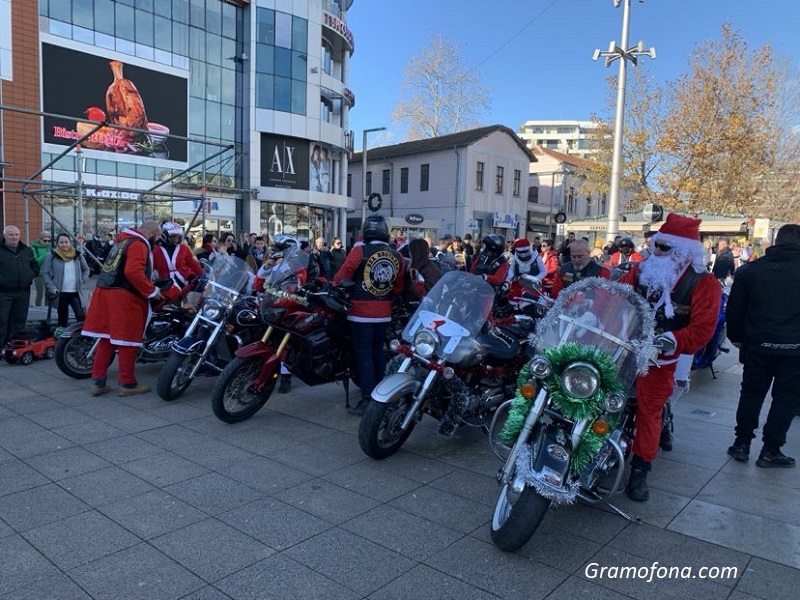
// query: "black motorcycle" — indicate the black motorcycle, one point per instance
point(225, 321)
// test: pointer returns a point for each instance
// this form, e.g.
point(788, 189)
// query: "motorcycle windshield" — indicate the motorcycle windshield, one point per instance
point(228, 277)
point(605, 314)
point(455, 308)
point(283, 277)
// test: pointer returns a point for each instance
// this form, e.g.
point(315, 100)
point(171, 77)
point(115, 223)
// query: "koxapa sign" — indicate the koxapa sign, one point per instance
point(96, 88)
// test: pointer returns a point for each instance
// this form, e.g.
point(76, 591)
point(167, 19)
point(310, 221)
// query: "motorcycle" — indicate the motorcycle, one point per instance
point(314, 342)
point(74, 353)
point(705, 357)
point(569, 429)
point(450, 366)
point(219, 328)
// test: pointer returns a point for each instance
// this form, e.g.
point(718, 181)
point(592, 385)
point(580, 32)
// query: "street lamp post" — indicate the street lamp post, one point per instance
point(624, 53)
point(364, 171)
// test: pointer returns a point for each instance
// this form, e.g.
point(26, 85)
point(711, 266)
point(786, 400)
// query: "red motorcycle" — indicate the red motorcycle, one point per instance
point(307, 331)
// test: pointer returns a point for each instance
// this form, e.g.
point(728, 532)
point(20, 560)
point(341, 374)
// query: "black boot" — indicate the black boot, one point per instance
point(740, 450)
point(773, 458)
point(637, 486)
point(286, 384)
point(665, 441)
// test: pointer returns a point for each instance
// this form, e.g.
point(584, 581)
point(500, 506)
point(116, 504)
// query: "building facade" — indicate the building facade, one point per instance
point(569, 137)
point(228, 115)
point(473, 182)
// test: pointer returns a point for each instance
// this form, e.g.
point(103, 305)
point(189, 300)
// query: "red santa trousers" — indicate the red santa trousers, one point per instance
point(126, 360)
point(652, 392)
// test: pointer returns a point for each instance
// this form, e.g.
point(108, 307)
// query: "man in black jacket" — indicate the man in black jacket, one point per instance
point(18, 267)
point(763, 319)
point(724, 264)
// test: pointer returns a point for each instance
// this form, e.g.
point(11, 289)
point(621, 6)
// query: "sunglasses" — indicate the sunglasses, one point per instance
point(45, 239)
point(663, 247)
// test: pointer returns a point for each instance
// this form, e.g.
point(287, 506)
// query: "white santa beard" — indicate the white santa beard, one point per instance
point(659, 274)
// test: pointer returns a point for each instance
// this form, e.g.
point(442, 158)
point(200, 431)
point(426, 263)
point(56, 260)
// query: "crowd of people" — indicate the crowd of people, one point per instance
point(681, 276)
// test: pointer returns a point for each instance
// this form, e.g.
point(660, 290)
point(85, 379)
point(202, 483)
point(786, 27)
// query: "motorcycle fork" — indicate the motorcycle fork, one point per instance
point(507, 471)
point(210, 341)
point(419, 398)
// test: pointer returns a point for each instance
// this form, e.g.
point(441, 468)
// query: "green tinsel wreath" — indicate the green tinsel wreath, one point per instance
point(572, 408)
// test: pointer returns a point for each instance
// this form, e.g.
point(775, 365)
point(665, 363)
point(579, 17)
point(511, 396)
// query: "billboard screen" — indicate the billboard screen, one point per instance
point(284, 162)
point(80, 85)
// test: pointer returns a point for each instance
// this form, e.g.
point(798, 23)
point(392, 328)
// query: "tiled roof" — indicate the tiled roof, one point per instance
point(444, 142)
point(575, 161)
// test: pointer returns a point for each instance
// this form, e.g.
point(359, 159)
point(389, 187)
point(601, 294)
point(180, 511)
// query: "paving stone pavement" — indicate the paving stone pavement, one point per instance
point(136, 498)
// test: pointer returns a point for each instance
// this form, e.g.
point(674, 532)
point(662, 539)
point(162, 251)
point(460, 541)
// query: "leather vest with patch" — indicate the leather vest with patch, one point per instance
point(112, 275)
point(484, 267)
point(376, 274)
point(681, 297)
point(569, 275)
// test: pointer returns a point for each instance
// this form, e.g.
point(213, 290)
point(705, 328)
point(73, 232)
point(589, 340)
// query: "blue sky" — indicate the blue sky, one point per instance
point(535, 56)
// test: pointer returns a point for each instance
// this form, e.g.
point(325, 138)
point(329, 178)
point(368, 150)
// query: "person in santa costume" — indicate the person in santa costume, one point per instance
point(172, 259)
point(685, 299)
point(120, 308)
point(524, 261)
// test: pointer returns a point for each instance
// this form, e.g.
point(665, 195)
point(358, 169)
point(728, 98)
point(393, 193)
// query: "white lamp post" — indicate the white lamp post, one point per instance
point(364, 171)
point(613, 53)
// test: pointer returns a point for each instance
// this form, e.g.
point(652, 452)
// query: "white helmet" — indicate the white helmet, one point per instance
point(170, 228)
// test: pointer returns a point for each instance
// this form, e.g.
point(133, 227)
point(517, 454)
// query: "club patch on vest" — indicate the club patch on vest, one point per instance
point(380, 271)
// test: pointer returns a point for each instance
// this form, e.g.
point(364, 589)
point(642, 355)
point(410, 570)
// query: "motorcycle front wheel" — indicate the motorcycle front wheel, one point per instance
point(174, 379)
point(516, 517)
point(379, 433)
point(75, 355)
point(234, 398)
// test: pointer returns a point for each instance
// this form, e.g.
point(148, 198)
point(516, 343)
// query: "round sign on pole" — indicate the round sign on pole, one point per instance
point(653, 213)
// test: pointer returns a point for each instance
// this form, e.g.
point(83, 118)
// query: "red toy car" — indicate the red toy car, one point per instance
point(25, 351)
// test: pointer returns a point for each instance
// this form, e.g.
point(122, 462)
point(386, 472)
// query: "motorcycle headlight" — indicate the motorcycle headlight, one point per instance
point(425, 343)
point(541, 367)
point(212, 310)
point(580, 380)
point(615, 402)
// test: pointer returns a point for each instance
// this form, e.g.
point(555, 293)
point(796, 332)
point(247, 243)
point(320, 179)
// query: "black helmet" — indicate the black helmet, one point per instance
point(626, 241)
point(280, 243)
point(494, 244)
point(376, 227)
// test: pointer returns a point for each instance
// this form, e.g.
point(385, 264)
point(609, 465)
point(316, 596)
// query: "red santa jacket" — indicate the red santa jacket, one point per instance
point(120, 314)
point(179, 264)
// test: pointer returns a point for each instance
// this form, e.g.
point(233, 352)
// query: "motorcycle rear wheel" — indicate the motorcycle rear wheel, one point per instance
point(174, 380)
point(73, 356)
point(379, 433)
point(233, 398)
point(515, 520)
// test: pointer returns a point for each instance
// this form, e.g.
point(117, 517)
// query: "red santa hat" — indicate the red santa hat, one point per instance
point(521, 245)
point(683, 235)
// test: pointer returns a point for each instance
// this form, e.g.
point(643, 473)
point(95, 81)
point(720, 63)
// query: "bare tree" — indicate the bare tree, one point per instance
point(439, 94)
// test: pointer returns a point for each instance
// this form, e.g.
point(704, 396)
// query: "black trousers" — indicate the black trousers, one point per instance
point(67, 300)
point(13, 313)
point(760, 371)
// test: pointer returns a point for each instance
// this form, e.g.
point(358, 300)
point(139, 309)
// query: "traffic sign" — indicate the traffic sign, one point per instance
point(653, 213)
point(561, 229)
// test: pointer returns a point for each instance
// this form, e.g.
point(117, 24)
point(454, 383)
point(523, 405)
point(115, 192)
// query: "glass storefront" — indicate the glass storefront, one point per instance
point(300, 220)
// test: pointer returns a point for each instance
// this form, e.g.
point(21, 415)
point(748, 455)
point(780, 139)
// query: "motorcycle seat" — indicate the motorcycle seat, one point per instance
point(499, 345)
